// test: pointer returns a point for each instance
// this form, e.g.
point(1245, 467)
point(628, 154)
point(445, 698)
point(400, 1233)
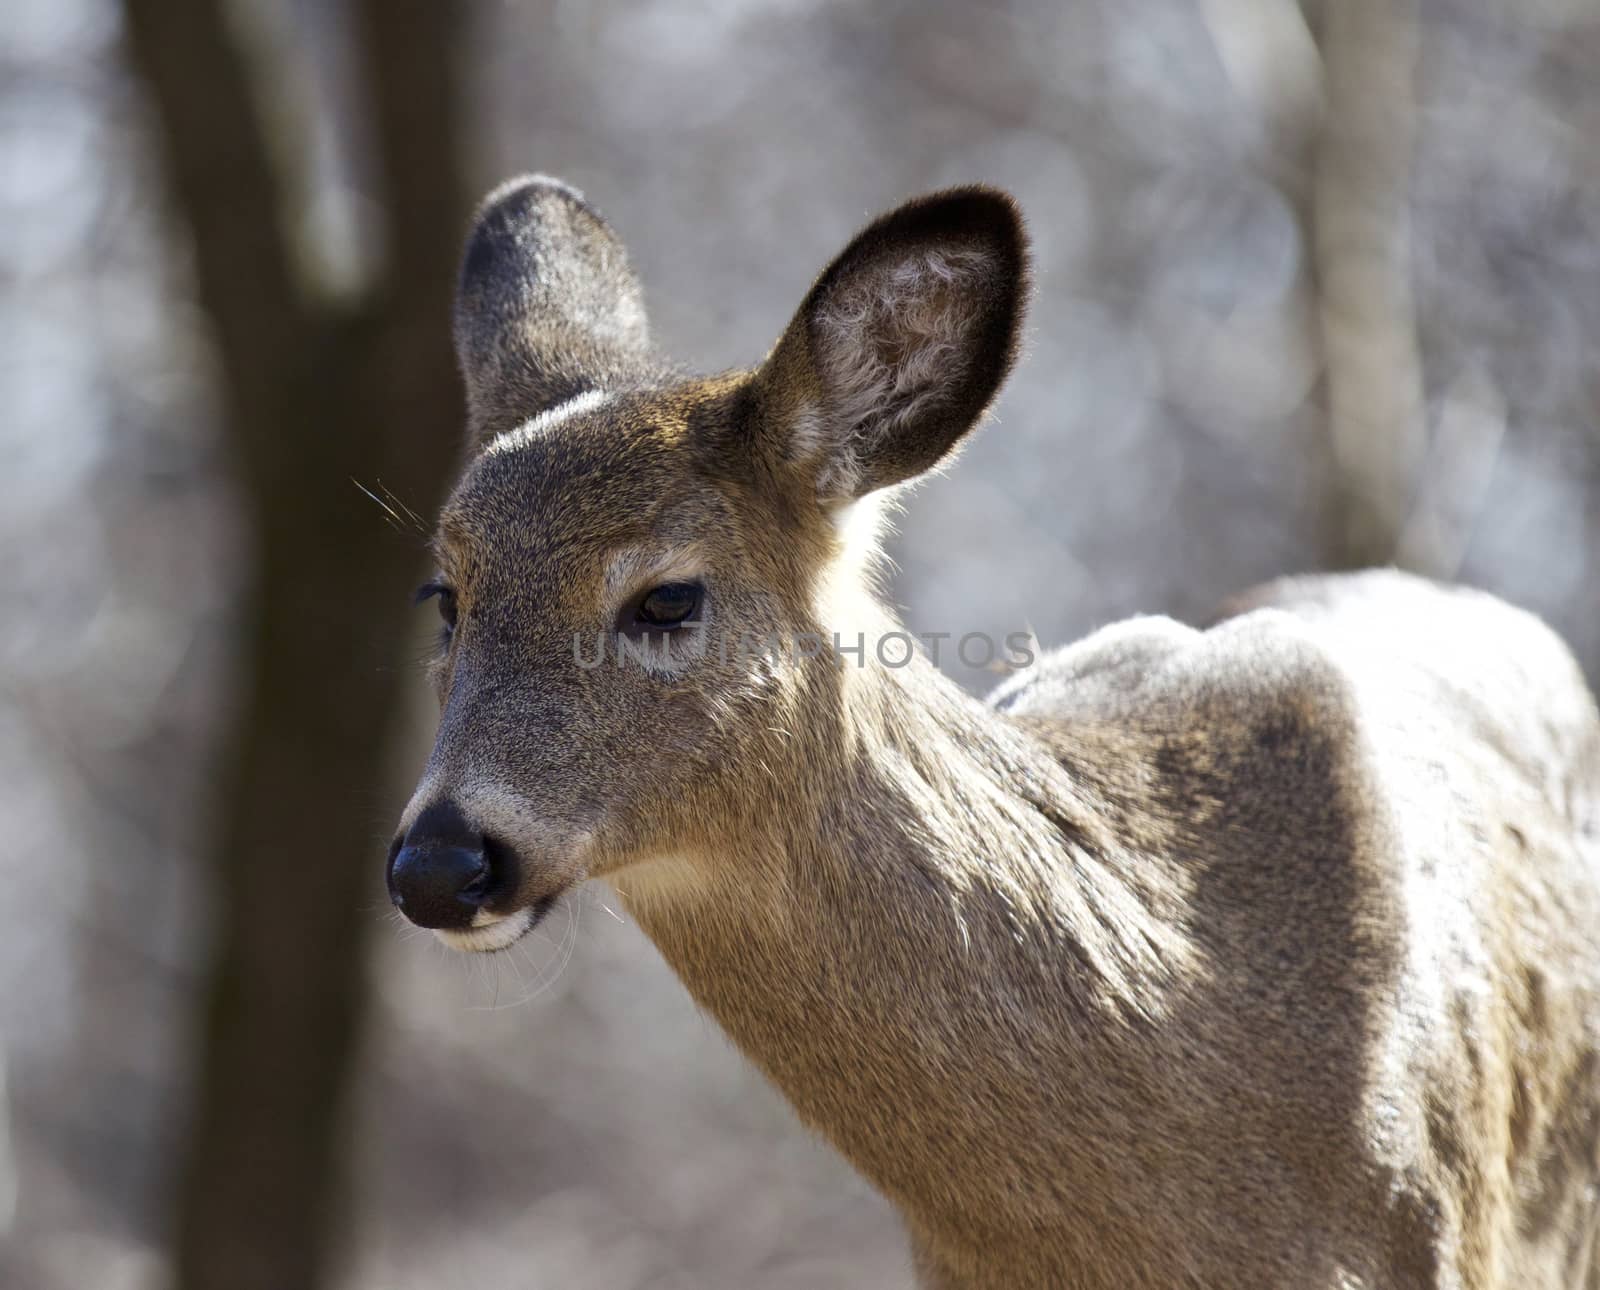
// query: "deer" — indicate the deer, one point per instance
point(1262, 953)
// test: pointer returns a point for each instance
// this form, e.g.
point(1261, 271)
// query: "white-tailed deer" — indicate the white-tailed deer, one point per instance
point(1260, 956)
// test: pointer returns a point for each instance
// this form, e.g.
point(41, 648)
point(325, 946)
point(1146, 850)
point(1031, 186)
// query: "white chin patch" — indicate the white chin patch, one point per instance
point(489, 936)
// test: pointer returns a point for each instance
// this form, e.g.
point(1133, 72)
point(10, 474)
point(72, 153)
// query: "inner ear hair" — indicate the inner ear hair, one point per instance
point(902, 343)
point(893, 349)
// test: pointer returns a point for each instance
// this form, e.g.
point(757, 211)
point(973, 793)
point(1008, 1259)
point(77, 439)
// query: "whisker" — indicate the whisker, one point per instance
point(568, 947)
point(395, 522)
point(416, 520)
point(600, 900)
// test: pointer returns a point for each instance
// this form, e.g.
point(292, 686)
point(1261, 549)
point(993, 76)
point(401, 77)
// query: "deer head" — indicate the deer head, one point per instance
point(620, 537)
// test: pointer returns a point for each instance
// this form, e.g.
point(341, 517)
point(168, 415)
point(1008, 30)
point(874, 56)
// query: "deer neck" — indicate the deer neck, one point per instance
point(934, 914)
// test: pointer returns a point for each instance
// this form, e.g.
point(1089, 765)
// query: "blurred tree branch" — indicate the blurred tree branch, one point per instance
point(1467, 437)
point(316, 390)
point(1361, 240)
point(1270, 57)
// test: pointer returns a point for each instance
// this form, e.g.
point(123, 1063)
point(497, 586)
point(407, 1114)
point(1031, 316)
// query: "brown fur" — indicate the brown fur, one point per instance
point(1266, 955)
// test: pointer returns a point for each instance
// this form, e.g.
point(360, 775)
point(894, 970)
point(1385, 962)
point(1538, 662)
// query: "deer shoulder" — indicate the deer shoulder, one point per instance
point(1379, 796)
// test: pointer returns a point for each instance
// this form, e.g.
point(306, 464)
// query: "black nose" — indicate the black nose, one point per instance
point(440, 873)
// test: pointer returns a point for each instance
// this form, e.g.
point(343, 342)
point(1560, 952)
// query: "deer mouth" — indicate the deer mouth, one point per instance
point(491, 933)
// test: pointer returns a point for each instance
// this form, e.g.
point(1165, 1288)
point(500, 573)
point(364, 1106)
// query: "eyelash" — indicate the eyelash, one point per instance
point(446, 597)
point(636, 619)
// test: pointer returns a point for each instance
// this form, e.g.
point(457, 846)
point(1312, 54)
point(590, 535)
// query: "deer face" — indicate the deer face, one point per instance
point(590, 574)
point(633, 570)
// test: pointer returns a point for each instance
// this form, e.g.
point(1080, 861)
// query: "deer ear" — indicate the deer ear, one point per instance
point(900, 345)
point(547, 307)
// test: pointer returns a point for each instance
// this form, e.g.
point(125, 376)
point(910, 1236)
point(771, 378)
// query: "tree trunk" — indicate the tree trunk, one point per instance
point(1362, 250)
point(318, 392)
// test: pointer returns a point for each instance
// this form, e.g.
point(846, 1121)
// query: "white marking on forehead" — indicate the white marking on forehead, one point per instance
point(528, 431)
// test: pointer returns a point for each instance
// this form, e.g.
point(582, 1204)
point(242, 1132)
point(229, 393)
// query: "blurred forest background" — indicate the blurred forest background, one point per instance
point(1318, 285)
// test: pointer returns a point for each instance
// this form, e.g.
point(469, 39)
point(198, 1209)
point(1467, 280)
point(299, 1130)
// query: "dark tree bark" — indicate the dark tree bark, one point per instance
point(317, 390)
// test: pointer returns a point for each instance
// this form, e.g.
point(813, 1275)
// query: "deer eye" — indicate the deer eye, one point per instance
point(446, 598)
point(670, 605)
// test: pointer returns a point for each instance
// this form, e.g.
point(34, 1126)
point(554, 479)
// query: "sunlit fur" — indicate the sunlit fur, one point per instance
point(1266, 955)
